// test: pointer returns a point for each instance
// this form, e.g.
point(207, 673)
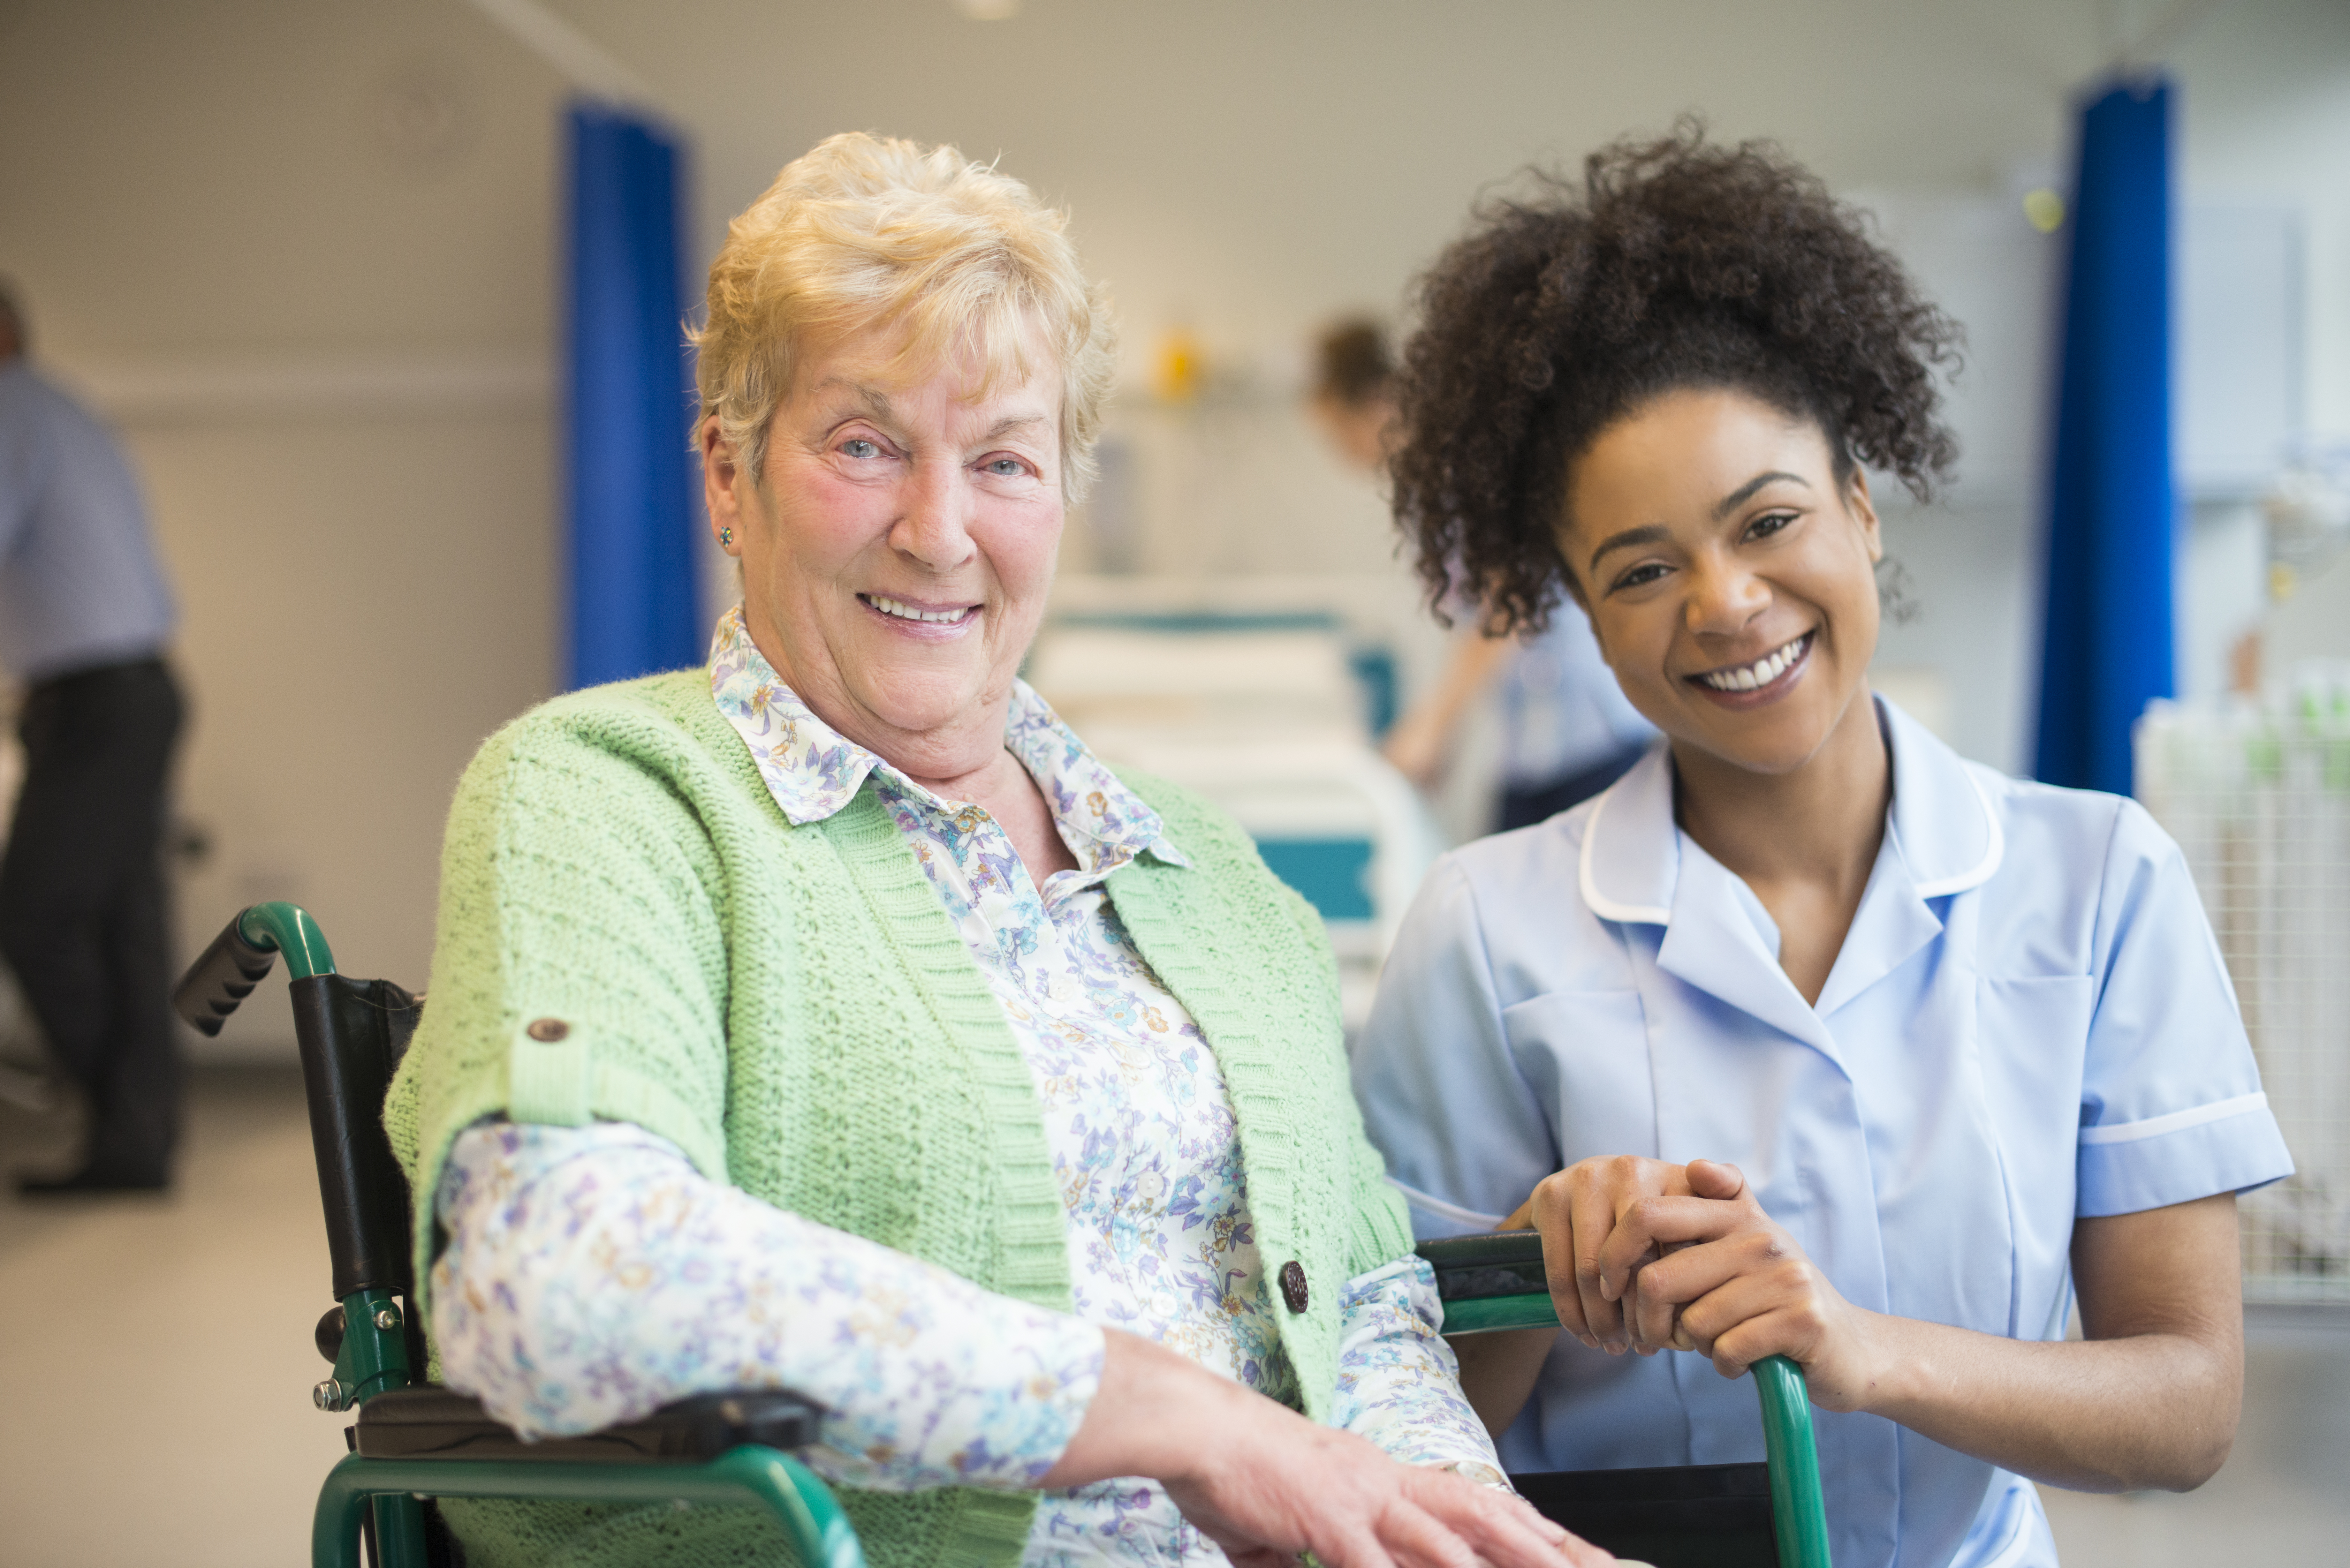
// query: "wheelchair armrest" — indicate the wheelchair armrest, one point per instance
point(428, 1421)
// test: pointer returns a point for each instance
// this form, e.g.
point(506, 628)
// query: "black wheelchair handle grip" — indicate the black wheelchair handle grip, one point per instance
point(220, 979)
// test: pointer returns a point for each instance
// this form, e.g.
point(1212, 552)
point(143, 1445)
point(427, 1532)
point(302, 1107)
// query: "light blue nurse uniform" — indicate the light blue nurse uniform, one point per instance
point(2029, 1023)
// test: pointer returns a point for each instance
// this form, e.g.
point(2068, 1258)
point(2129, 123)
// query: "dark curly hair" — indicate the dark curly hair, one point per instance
point(1677, 264)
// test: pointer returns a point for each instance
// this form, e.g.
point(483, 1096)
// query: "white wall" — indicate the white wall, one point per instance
point(2268, 116)
point(305, 248)
point(301, 251)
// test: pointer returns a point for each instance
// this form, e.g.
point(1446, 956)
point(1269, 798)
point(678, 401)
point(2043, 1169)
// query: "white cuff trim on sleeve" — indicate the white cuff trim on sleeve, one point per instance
point(1443, 1211)
point(2154, 1126)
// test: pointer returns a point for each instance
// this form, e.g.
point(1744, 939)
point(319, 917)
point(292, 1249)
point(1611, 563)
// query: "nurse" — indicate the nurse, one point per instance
point(1807, 1037)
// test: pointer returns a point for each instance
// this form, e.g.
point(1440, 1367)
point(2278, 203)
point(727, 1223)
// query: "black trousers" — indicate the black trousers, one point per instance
point(1522, 807)
point(83, 919)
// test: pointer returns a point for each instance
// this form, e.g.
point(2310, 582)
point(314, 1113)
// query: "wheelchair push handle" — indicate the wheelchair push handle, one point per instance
point(1497, 1281)
point(241, 957)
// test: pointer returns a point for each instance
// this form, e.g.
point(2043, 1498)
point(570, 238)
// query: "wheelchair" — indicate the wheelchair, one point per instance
point(412, 1442)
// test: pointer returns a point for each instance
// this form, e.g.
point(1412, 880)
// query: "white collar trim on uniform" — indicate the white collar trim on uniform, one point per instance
point(1641, 847)
point(1942, 818)
point(1947, 827)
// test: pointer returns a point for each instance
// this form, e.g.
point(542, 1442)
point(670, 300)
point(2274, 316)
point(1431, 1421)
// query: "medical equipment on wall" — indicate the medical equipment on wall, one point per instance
point(2307, 507)
point(2258, 796)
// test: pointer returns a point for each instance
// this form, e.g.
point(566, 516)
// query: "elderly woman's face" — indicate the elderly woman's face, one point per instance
point(897, 556)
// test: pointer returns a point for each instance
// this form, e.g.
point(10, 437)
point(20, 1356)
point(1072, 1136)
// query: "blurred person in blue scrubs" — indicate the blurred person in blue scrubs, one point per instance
point(85, 618)
point(1566, 730)
point(1807, 1037)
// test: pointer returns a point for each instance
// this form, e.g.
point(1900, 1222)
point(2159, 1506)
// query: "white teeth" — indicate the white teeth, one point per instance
point(1760, 673)
point(908, 612)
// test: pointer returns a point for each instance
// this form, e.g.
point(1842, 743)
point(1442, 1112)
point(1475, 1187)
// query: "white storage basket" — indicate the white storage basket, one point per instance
point(2258, 799)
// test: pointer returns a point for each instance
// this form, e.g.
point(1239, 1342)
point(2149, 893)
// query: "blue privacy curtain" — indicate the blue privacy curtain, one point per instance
point(2106, 649)
point(632, 544)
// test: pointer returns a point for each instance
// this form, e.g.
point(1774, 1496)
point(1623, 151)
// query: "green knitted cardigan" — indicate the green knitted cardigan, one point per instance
point(792, 1007)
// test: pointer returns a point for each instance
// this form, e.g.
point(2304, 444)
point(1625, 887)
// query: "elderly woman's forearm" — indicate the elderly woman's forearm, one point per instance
point(592, 1276)
point(1399, 1384)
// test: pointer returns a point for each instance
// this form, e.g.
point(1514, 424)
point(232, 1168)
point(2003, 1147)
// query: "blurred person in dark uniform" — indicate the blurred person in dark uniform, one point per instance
point(1566, 730)
point(85, 616)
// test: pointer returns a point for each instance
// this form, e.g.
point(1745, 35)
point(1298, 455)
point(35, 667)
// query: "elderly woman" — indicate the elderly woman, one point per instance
point(830, 1019)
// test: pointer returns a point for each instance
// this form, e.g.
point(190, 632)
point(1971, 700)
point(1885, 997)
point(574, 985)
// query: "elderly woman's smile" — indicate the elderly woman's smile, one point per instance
point(899, 548)
point(947, 619)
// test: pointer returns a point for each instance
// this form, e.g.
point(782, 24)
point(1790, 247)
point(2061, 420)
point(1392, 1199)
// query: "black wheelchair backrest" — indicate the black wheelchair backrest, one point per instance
point(351, 1035)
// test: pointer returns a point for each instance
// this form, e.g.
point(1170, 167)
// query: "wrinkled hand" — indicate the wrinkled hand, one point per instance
point(1266, 1484)
point(1335, 1495)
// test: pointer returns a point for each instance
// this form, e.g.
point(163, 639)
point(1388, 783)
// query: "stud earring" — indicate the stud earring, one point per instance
point(726, 538)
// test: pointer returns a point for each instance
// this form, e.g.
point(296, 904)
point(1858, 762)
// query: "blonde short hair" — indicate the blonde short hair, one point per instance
point(866, 232)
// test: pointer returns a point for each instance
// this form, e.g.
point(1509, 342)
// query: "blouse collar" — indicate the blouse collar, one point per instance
point(813, 771)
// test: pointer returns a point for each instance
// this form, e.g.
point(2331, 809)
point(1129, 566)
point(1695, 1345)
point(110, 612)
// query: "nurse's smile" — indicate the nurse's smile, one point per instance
point(1766, 679)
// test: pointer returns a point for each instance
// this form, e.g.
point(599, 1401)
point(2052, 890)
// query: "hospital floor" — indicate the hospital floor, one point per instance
point(156, 1366)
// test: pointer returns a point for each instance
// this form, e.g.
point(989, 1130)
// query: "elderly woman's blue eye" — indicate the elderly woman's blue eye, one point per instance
point(1007, 466)
point(858, 446)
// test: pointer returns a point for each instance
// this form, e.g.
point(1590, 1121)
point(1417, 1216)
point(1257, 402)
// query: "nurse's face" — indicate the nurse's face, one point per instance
point(1730, 579)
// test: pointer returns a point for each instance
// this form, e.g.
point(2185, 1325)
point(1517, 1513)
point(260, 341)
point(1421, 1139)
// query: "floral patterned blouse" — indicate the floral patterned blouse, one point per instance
point(591, 1274)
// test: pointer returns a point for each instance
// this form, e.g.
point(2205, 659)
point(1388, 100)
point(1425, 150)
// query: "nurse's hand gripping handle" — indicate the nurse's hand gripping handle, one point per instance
point(1497, 1281)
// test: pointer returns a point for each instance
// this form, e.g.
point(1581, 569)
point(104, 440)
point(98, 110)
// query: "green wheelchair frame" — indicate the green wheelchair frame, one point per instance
point(411, 1441)
point(1497, 1281)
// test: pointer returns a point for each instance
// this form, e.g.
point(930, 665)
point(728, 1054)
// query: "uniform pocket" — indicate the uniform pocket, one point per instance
point(1585, 1054)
